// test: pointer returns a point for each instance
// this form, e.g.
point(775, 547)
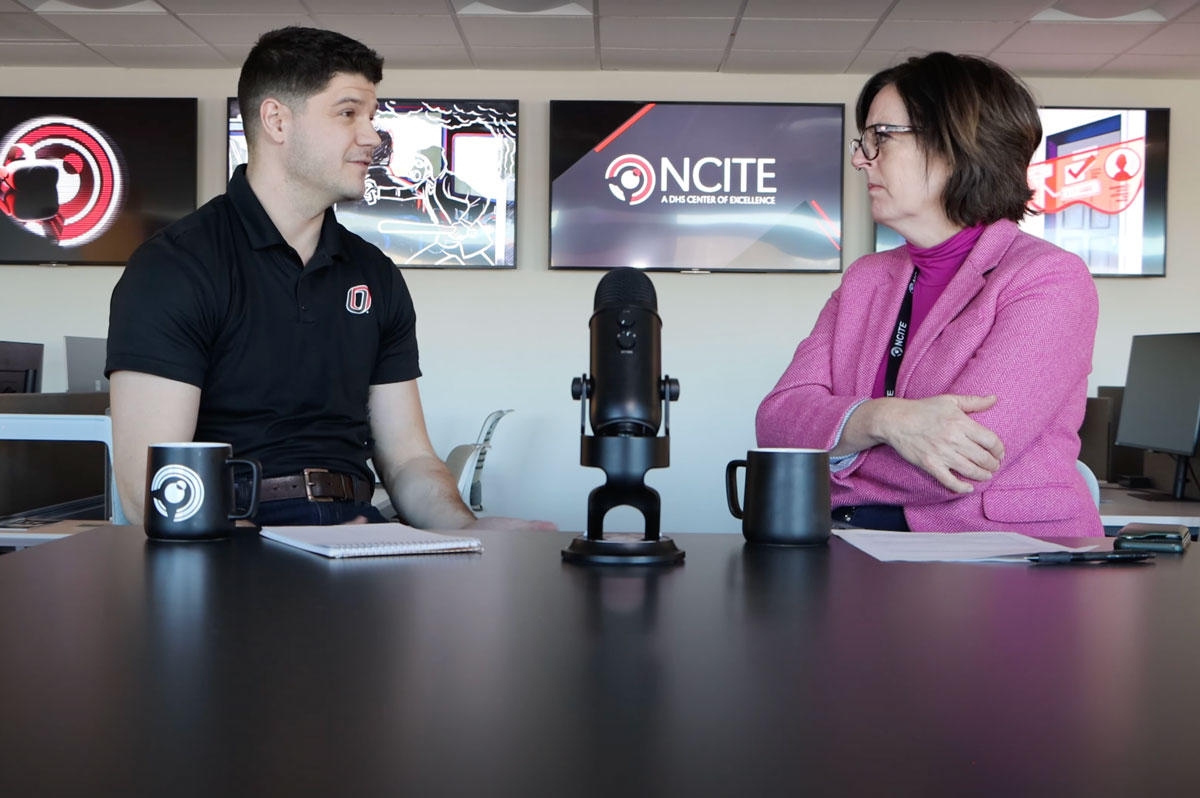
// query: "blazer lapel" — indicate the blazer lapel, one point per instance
point(964, 287)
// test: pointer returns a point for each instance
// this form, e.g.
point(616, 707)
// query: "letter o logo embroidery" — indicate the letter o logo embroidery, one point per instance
point(358, 300)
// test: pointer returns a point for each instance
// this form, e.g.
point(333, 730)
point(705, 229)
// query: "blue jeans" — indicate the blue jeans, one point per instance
point(302, 512)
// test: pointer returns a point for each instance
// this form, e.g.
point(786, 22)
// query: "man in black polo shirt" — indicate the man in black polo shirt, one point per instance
point(261, 321)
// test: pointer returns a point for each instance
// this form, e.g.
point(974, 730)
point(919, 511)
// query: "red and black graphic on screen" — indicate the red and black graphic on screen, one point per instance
point(61, 179)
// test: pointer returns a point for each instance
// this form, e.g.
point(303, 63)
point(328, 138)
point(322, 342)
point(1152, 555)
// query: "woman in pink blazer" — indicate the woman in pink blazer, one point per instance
point(948, 377)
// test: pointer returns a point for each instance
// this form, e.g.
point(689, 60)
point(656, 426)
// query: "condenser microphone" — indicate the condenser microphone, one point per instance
point(628, 399)
point(626, 357)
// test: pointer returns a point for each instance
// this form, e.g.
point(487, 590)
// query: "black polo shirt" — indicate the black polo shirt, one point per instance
point(283, 353)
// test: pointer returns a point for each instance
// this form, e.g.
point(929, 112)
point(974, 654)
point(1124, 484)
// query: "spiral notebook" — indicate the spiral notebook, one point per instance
point(369, 540)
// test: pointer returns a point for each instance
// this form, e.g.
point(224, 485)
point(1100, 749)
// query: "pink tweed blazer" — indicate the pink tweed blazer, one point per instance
point(1019, 321)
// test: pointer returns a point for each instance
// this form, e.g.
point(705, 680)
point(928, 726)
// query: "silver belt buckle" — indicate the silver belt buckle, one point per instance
point(308, 485)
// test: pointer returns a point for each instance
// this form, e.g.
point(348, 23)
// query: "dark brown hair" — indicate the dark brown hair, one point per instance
point(980, 118)
point(292, 64)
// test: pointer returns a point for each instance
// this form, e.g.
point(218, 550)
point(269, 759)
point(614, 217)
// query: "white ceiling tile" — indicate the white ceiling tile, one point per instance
point(240, 28)
point(817, 9)
point(871, 61)
point(545, 32)
point(234, 6)
point(937, 35)
point(234, 53)
point(669, 8)
point(671, 34)
point(962, 10)
point(1181, 38)
point(392, 28)
point(160, 56)
point(789, 61)
point(417, 56)
point(50, 54)
point(1077, 37)
point(28, 28)
point(796, 34)
point(377, 6)
point(535, 57)
point(114, 28)
point(1153, 66)
point(670, 60)
point(1058, 64)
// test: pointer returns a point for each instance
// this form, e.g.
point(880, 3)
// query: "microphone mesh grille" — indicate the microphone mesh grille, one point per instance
point(626, 286)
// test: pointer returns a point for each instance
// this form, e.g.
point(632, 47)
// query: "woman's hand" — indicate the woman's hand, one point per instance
point(938, 436)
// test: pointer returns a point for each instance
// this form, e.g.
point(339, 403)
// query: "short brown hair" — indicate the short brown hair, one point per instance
point(978, 116)
point(294, 63)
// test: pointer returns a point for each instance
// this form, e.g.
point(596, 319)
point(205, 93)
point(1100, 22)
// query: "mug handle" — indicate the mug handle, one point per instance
point(731, 491)
point(257, 469)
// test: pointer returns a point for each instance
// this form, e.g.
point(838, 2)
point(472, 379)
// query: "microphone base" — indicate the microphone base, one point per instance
point(623, 549)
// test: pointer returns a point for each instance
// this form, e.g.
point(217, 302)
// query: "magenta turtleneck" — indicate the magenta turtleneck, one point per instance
point(938, 265)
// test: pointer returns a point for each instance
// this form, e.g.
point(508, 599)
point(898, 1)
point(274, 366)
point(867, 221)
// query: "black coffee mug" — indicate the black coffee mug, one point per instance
point(189, 491)
point(787, 496)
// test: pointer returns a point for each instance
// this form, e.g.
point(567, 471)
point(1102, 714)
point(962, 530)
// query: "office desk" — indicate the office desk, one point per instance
point(1121, 506)
point(245, 667)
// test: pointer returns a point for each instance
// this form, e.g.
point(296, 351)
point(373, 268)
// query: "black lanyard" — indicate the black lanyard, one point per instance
point(899, 340)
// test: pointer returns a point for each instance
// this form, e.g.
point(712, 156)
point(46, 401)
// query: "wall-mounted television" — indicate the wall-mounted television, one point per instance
point(1099, 178)
point(441, 190)
point(85, 180)
point(686, 186)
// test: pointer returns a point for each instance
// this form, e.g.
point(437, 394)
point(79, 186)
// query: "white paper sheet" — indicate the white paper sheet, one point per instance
point(943, 547)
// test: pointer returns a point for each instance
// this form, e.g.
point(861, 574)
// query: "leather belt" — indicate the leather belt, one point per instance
point(316, 485)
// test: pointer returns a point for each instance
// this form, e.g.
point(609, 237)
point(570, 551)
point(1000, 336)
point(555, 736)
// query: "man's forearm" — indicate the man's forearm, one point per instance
point(425, 496)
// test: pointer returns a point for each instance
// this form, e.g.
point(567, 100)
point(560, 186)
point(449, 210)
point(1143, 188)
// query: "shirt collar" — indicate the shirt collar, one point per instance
point(263, 233)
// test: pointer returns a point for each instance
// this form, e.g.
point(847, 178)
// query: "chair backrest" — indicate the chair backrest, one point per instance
point(1090, 479)
point(47, 427)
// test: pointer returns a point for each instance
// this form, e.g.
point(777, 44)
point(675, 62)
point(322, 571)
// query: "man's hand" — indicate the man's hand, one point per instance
point(938, 436)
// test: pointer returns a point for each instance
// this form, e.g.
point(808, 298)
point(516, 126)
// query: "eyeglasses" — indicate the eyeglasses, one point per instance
point(874, 135)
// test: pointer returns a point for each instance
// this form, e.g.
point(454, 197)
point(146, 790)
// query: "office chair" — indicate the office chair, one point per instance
point(465, 463)
point(39, 427)
point(1090, 479)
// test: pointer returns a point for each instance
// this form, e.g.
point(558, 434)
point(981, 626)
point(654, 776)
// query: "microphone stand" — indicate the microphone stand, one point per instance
point(625, 460)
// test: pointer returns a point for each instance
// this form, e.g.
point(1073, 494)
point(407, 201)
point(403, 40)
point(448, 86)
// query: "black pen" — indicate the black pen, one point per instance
point(1072, 557)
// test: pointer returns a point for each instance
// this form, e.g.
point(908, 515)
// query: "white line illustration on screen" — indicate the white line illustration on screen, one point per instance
point(177, 492)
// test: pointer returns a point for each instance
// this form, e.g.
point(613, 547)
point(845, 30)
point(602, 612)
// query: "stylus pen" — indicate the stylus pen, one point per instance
point(1072, 557)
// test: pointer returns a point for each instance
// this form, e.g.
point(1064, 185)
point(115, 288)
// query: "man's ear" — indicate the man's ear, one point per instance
point(275, 120)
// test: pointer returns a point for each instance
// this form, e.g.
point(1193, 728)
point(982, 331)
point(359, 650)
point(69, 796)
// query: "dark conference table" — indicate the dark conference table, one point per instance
point(246, 667)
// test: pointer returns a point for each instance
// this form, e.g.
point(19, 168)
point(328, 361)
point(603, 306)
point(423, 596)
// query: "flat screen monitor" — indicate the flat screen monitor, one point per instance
point(85, 180)
point(441, 190)
point(20, 367)
point(679, 186)
point(85, 364)
point(1160, 410)
point(1099, 179)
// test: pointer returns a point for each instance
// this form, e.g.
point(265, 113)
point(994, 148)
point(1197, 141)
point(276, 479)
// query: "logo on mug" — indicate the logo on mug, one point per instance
point(177, 492)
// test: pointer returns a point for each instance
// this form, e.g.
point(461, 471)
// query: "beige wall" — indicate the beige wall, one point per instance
point(516, 338)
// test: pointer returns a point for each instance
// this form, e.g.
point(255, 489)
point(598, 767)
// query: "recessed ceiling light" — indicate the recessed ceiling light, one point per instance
point(544, 8)
point(1100, 11)
point(94, 6)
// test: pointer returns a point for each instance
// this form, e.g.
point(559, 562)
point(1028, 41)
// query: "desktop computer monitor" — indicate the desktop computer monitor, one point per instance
point(85, 364)
point(1161, 407)
point(20, 367)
